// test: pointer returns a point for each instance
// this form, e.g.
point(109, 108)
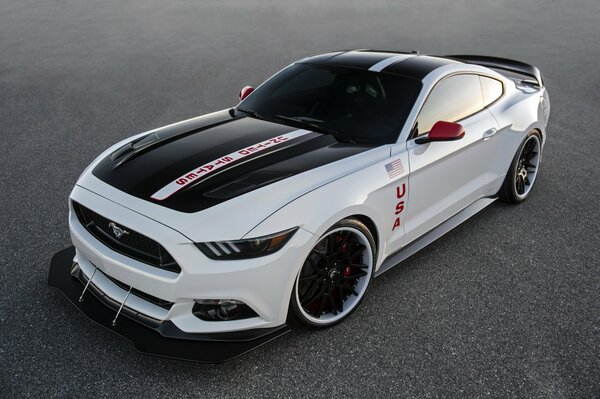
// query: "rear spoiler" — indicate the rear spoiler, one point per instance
point(503, 64)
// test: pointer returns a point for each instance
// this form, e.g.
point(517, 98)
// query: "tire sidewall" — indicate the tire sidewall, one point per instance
point(509, 189)
point(295, 306)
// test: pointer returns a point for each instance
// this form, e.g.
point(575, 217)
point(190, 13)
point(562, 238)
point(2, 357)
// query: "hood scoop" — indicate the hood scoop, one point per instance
point(162, 136)
point(129, 150)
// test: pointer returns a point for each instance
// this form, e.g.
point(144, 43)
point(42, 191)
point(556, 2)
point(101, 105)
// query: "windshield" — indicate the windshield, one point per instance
point(354, 105)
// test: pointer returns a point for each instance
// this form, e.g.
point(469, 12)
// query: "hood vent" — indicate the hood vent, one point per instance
point(131, 149)
point(245, 184)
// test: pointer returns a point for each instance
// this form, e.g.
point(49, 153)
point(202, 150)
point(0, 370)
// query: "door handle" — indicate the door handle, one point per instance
point(489, 133)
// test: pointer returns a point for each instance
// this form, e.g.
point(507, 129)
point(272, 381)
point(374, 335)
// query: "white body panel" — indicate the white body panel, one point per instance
point(446, 177)
point(438, 181)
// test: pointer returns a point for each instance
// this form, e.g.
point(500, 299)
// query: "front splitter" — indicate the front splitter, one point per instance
point(158, 340)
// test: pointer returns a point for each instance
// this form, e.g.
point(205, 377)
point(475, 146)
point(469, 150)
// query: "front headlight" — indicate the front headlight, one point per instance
point(244, 249)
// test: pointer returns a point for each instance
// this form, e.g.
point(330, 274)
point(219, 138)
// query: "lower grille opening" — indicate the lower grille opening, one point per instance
point(152, 299)
point(78, 273)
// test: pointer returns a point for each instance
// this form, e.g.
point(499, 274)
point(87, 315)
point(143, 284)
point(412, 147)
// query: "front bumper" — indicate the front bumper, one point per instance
point(159, 338)
point(264, 283)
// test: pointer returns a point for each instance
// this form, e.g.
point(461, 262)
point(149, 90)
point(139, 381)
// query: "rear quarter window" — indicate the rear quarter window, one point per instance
point(492, 89)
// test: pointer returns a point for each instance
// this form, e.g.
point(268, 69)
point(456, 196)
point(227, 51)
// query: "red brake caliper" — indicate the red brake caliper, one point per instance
point(347, 271)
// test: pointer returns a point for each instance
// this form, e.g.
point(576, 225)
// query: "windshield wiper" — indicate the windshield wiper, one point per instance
point(252, 113)
point(310, 122)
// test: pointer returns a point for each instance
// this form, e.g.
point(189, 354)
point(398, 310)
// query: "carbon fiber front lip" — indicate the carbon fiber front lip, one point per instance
point(160, 338)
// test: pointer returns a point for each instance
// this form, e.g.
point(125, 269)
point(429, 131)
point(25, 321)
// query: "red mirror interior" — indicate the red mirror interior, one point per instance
point(446, 131)
point(245, 92)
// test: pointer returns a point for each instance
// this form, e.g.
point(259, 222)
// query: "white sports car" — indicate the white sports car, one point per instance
point(198, 240)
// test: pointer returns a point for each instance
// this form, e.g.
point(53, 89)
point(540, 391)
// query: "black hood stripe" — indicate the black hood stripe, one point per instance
point(227, 161)
point(192, 151)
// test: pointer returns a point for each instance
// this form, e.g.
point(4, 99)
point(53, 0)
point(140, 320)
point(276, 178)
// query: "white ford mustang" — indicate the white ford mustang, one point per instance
point(198, 240)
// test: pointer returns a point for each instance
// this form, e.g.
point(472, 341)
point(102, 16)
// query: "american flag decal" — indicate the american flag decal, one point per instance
point(394, 168)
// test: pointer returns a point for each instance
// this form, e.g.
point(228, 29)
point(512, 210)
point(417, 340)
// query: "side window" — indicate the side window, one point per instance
point(492, 89)
point(451, 100)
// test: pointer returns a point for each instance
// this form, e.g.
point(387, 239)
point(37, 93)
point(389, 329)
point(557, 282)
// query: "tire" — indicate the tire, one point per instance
point(335, 276)
point(523, 170)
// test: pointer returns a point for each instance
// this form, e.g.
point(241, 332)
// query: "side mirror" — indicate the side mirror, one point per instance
point(245, 92)
point(443, 131)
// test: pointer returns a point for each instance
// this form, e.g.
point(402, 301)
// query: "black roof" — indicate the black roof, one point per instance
point(417, 66)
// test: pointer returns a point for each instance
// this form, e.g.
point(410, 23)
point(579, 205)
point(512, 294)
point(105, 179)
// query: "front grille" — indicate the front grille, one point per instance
point(131, 244)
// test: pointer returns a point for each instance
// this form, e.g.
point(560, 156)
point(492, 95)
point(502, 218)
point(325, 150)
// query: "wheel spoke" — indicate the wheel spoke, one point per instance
point(345, 240)
point(344, 245)
point(308, 278)
point(321, 255)
point(320, 311)
point(310, 300)
point(357, 275)
point(350, 288)
point(310, 289)
point(312, 264)
point(528, 147)
point(332, 302)
point(351, 241)
point(341, 298)
point(330, 244)
point(359, 249)
point(530, 156)
point(527, 181)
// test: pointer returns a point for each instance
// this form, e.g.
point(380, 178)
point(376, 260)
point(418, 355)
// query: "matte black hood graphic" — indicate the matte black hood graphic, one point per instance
point(190, 168)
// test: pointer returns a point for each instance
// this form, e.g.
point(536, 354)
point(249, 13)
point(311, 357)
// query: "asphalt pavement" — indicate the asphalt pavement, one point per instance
point(506, 305)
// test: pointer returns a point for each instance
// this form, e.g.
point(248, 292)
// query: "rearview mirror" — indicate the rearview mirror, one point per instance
point(245, 92)
point(443, 131)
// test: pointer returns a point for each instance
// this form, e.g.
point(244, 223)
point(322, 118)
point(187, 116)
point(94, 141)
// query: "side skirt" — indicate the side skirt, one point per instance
point(429, 237)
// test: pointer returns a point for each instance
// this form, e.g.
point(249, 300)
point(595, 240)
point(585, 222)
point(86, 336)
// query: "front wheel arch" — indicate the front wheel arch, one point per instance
point(370, 224)
point(359, 282)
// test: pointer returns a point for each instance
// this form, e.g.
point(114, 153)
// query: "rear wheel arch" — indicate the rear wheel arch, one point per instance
point(524, 170)
point(539, 131)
